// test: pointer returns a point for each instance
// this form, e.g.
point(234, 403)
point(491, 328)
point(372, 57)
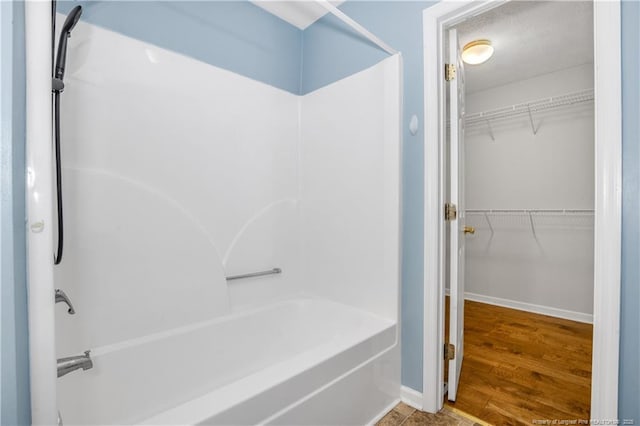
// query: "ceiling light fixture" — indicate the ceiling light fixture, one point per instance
point(477, 52)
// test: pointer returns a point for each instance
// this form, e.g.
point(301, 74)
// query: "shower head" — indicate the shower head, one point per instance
point(72, 19)
point(65, 33)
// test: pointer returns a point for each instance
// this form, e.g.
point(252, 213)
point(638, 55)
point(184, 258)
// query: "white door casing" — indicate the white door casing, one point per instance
point(608, 194)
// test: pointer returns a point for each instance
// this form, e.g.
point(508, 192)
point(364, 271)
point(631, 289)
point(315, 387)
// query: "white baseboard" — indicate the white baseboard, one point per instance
point(529, 307)
point(411, 397)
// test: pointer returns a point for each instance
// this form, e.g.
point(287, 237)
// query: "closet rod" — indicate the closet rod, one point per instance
point(356, 26)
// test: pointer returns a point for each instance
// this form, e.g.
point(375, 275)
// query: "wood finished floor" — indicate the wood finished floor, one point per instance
point(519, 367)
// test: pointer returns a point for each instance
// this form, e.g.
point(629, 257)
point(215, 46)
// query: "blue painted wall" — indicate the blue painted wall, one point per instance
point(234, 35)
point(14, 356)
point(629, 405)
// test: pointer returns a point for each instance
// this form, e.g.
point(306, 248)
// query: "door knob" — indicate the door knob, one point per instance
point(469, 230)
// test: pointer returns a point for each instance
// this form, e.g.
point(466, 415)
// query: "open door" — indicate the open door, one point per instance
point(456, 225)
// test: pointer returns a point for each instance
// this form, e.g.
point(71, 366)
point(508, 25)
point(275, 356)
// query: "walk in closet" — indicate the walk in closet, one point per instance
point(529, 194)
point(528, 190)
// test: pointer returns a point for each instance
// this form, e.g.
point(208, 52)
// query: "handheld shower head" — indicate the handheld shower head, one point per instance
point(72, 19)
point(65, 33)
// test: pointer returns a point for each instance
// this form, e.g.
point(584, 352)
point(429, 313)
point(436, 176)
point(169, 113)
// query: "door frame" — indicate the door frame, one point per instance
point(607, 208)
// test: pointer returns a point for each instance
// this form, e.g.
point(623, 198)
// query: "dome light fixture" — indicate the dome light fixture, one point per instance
point(477, 52)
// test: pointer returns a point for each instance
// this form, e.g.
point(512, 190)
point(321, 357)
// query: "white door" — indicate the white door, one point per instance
point(457, 226)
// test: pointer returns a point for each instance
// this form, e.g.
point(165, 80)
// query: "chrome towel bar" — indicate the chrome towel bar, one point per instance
point(255, 274)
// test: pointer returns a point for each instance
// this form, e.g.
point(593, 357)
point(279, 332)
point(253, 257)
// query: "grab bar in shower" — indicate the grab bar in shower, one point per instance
point(255, 274)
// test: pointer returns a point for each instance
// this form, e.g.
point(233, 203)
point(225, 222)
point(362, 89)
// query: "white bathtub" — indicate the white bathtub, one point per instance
point(259, 366)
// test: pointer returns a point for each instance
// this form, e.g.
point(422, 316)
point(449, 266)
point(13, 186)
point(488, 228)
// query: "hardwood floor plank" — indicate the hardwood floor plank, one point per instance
point(519, 366)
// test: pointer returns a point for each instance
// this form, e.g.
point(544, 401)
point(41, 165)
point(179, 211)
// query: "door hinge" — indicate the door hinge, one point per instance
point(449, 72)
point(450, 212)
point(449, 351)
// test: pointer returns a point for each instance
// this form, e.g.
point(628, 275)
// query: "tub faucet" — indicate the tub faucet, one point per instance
point(62, 297)
point(72, 363)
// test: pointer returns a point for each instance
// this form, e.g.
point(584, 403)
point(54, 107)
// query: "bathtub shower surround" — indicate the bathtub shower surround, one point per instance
point(177, 175)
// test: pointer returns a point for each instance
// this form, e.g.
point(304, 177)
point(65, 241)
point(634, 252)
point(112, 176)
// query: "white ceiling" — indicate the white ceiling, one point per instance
point(530, 38)
point(300, 13)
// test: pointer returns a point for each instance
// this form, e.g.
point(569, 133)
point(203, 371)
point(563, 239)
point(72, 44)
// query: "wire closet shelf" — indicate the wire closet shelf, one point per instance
point(534, 211)
point(532, 219)
point(528, 108)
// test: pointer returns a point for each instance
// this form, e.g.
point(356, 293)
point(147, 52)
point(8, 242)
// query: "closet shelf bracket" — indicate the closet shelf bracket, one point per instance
point(493, 138)
point(533, 227)
point(486, 216)
point(534, 129)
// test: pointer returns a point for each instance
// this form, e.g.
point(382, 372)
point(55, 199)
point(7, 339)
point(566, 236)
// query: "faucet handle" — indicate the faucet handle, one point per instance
point(62, 297)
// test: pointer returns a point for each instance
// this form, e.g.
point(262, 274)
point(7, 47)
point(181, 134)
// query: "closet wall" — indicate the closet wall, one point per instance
point(540, 261)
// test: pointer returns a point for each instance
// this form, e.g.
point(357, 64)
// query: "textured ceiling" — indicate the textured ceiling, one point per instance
point(530, 38)
point(300, 13)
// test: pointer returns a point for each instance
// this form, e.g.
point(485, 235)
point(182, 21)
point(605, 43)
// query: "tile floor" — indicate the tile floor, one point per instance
point(405, 415)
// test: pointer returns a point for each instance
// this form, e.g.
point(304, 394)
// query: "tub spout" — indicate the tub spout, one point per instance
point(72, 363)
point(62, 297)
